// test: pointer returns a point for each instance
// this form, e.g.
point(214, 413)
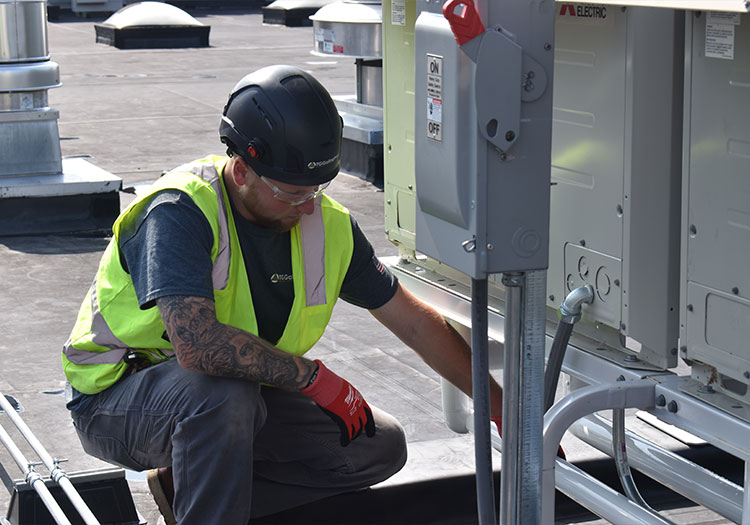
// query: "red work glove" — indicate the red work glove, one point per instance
point(341, 402)
point(499, 423)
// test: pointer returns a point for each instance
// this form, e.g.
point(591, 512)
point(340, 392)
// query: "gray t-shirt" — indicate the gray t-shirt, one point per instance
point(168, 252)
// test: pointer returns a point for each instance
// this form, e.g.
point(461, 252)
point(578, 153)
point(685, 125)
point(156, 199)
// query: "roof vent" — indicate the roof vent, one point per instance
point(152, 25)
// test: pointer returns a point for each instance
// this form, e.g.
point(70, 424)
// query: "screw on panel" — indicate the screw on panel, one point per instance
point(490, 246)
point(690, 308)
point(631, 358)
point(693, 230)
point(510, 135)
point(623, 327)
point(551, 297)
point(660, 400)
point(583, 242)
point(672, 407)
point(673, 351)
point(735, 290)
point(683, 349)
point(547, 46)
point(411, 186)
point(503, 156)
point(706, 389)
point(617, 282)
point(747, 375)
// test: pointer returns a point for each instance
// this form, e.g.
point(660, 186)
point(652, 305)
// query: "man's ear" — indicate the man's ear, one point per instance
point(240, 171)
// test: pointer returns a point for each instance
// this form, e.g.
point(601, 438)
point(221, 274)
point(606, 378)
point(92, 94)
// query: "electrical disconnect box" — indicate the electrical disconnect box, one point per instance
point(481, 134)
point(616, 155)
point(715, 311)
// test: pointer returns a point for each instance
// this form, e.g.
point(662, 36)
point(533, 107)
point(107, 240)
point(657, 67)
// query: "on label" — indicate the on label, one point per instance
point(435, 97)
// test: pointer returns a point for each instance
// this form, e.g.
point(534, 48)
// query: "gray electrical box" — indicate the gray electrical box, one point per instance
point(482, 138)
point(616, 159)
point(715, 312)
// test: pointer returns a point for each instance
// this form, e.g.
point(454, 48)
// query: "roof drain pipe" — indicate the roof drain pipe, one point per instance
point(57, 474)
point(571, 314)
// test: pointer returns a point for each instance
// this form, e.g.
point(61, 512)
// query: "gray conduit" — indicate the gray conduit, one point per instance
point(571, 311)
point(481, 394)
point(57, 474)
point(621, 459)
point(675, 472)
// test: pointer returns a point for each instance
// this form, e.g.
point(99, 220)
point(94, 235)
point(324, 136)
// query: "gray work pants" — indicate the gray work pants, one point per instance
point(228, 439)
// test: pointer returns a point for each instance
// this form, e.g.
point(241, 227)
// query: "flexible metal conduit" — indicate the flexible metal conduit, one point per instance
point(57, 474)
point(677, 473)
point(571, 310)
point(621, 459)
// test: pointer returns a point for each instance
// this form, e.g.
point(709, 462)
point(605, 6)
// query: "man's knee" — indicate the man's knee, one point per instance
point(390, 443)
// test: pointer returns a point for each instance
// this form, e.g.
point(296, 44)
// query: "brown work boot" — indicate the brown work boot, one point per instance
point(161, 485)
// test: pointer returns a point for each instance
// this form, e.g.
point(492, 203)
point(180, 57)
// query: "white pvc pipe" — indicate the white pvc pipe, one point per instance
point(58, 475)
point(677, 473)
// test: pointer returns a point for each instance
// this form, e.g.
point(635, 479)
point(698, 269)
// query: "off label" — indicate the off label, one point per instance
point(435, 97)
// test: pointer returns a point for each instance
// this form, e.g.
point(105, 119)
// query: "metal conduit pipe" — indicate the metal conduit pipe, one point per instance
point(570, 480)
point(480, 367)
point(57, 474)
point(571, 310)
point(621, 459)
point(675, 472)
point(33, 478)
point(511, 449)
point(580, 403)
point(601, 499)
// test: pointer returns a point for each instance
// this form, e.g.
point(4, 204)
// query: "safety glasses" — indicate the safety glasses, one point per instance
point(293, 199)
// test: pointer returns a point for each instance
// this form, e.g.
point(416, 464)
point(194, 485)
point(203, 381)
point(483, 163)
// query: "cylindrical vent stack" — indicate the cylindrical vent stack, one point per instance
point(29, 138)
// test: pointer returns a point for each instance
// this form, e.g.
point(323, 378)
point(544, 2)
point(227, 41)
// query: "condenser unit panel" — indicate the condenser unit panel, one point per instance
point(716, 224)
point(616, 168)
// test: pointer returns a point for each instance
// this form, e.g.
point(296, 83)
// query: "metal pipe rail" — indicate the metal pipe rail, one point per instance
point(33, 478)
point(57, 474)
point(675, 472)
point(583, 402)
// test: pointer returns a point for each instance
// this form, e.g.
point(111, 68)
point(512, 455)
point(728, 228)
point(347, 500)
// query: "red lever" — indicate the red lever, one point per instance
point(464, 20)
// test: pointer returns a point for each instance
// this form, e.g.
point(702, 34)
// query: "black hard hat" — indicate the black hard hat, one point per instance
point(284, 125)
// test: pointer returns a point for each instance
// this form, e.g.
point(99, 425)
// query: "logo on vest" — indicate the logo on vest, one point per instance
point(281, 278)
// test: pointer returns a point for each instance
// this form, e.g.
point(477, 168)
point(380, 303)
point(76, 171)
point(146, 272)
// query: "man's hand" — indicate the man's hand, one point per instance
point(341, 402)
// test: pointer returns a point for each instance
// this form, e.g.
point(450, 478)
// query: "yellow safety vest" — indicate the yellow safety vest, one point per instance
point(111, 325)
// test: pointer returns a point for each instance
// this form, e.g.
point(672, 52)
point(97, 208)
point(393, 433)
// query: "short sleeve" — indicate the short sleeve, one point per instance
point(368, 282)
point(167, 250)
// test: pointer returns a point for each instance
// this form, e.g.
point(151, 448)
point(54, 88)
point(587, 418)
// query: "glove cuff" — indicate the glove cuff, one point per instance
point(326, 386)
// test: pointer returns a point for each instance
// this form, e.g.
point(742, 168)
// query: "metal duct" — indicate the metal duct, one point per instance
point(29, 138)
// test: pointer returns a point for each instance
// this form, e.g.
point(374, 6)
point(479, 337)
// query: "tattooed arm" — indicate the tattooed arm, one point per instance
point(203, 344)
